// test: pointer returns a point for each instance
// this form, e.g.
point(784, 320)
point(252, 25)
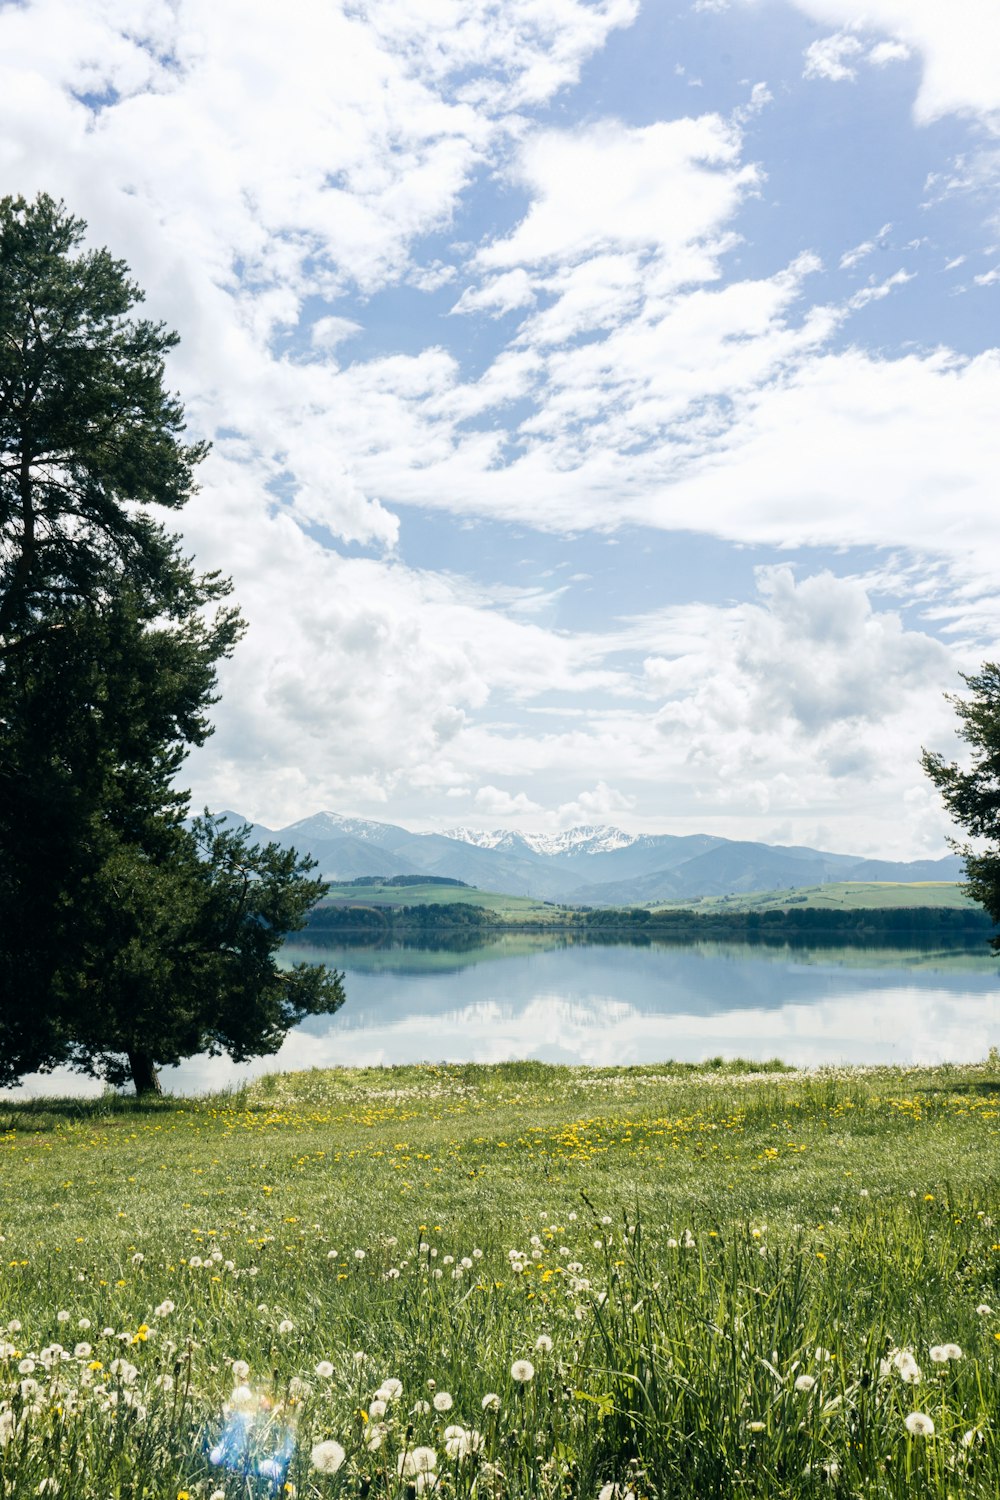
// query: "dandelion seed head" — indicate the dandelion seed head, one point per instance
point(522, 1370)
point(327, 1457)
point(919, 1424)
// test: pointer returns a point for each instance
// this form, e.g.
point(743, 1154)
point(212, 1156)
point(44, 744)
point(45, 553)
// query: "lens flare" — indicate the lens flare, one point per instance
point(257, 1438)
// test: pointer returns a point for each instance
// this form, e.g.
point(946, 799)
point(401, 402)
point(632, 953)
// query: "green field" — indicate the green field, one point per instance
point(716, 1282)
point(847, 895)
point(519, 907)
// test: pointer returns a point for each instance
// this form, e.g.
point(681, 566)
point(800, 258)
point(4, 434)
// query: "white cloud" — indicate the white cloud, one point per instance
point(958, 45)
point(494, 801)
point(829, 58)
point(656, 186)
point(502, 294)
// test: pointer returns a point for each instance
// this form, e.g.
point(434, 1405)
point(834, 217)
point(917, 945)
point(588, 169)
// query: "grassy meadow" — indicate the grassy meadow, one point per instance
point(509, 1281)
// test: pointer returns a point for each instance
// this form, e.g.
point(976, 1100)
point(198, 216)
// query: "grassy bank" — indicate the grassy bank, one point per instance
point(730, 1266)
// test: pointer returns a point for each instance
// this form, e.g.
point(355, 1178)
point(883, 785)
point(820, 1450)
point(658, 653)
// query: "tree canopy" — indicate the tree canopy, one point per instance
point(972, 796)
point(129, 938)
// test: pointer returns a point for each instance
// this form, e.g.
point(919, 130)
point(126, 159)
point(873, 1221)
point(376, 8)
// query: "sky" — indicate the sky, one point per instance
point(604, 394)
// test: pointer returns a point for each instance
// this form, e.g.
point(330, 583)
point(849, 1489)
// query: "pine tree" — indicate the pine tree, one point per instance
point(128, 939)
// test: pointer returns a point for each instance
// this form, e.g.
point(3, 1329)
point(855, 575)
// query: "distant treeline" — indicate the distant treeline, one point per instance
point(443, 917)
point(864, 924)
point(803, 924)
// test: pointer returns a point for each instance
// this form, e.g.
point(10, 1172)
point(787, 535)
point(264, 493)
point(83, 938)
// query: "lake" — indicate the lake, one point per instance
point(564, 1001)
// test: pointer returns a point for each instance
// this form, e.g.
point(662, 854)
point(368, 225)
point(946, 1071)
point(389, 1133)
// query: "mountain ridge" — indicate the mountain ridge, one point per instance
point(592, 864)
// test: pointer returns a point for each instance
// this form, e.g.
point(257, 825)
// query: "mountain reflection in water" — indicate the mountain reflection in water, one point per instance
point(561, 1000)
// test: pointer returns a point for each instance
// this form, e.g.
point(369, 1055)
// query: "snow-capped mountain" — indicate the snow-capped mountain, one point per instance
point(588, 838)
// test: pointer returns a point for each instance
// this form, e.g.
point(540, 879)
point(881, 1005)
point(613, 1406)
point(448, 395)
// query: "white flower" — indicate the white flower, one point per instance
point(919, 1424)
point(324, 1369)
point(376, 1408)
point(26, 1367)
point(327, 1457)
point(522, 1370)
point(375, 1436)
point(952, 1351)
point(543, 1344)
point(359, 1356)
point(243, 1399)
point(390, 1390)
point(491, 1401)
point(359, 1255)
point(163, 1311)
point(286, 1325)
point(417, 1461)
point(63, 1316)
point(984, 1310)
point(477, 1254)
point(804, 1382)
point(240, 1370)
point(443, 1402)
point(421, 1408)
point(138, 1258)
point(84, 1323)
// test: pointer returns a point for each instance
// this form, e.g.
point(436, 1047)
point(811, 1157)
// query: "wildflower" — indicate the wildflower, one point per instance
point(615, 1492)
point(919, 1424)
point(240, 1370)
point(491, 1401)
point(543, 1344)
point(82, 1351)
point(443, 1402)
point(421, 1408)
point(417, 1461)
point(298, 1388)
point(522, 1370)
point(286, 1325)
point(138, 1258)
point(359, 1255)
point(804, 1382)
point(375, 1436)
point(324, 1369)
point(243, 1399)
point(327, 1457)
point(359, 1357)
point(84, 1323)
point(163, 1311)
point(984, 1310)
point(63, 1316)
point(26, 1367)
point(390, 1390)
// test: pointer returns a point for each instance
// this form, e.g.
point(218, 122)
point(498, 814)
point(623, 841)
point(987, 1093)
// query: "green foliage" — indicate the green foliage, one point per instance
point(127, 939)
point(973, 796)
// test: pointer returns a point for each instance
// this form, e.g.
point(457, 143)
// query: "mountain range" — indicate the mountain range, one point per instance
point(588, 865)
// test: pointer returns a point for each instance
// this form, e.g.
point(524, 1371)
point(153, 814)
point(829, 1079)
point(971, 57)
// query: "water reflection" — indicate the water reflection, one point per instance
point(528, 996)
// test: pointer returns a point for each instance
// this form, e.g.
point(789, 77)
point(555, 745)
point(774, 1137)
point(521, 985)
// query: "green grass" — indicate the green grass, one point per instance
point(437, 895)
point(844, 895)
point(695, 1241)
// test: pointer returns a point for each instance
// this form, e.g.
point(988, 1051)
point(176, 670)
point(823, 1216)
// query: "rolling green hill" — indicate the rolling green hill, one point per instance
point(853, 895)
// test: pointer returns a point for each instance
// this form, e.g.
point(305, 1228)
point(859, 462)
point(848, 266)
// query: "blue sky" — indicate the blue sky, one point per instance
point(604, 394)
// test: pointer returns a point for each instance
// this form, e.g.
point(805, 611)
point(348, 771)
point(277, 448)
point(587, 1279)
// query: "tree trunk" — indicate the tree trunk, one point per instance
point(144, 1074)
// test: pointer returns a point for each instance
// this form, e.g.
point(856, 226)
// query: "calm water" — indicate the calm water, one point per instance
point(580, 1003)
